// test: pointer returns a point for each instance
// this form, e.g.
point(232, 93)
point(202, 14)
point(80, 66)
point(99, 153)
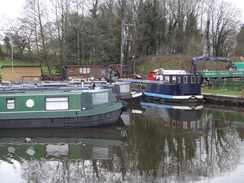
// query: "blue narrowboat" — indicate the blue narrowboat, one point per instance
point(170, 87)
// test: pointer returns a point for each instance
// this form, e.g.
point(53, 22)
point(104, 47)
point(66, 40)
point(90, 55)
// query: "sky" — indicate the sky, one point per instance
point(12, 8)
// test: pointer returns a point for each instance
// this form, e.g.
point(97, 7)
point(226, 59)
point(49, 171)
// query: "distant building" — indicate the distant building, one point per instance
point(76, 71)
point(21, 73)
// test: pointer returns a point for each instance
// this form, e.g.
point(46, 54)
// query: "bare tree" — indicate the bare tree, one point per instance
point(18, 39)
point(77, 24)
point(61, 10)
point(27, 33)
point(36, 15)
point(221, 27)
point(88, 32)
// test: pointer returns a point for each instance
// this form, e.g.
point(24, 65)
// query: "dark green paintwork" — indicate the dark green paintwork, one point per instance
point(80, 104)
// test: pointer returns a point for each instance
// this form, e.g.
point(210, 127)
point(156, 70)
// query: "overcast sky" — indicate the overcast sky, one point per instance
point(12, 8)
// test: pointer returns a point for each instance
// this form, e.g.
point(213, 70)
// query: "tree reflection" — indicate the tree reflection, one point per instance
point(164, 153)
point(157, 149)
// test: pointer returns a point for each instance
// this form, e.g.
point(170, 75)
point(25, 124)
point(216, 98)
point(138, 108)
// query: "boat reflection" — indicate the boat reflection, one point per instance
point(182, 117)
point(160, 143)
point(173, 116)
point(194, 118)
point(87, 143)
point(182, 144)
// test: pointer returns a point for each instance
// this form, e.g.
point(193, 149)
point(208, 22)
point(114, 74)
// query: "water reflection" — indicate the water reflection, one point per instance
point(52, 155)
point(159, 143)
point(181, 117)
point(88, 143)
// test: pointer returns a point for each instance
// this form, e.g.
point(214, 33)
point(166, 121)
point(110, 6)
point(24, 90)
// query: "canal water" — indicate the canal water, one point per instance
point(158, 143)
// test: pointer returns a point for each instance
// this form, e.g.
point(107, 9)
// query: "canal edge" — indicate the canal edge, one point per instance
point(219, 99)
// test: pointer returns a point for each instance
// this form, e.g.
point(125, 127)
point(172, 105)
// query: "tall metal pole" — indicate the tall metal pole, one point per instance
point(12, 58)
point(122, 48)
point(133, 47)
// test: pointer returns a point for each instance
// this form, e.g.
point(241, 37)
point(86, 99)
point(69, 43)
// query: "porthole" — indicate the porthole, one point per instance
point(30, 103)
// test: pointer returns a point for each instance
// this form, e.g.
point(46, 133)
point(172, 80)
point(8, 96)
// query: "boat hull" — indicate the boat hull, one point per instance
point(173, 99)
point(102, 119)
point(131, 97)
point(62, 109)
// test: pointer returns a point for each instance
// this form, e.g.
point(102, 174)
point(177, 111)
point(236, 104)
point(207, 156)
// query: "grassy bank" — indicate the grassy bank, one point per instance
point(8, 62)
point(150, 63)
point(226, 92)
point(181, 62)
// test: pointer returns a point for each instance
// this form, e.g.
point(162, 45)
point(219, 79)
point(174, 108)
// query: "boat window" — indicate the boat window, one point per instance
point(10, 103)
point(199, 79)
point(166, 79)
point(179, 79)
point(193, 79)
point(192, 124)
point(185, 125)
point(125, 88)
point(198, 124)
point(134, 85)
point(100, 98)
point(143, 86)
point(100, 152)
point(166, 122)
point(173, 124)
point(185, 79)
point(173, 79)
point(140, 86)
point(57, 103)
point(178, 124)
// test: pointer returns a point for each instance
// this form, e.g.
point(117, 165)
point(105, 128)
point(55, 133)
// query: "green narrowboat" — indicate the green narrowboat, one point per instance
point(58, 109)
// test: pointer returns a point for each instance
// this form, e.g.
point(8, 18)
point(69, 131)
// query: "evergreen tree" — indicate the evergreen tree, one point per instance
point(150, 27)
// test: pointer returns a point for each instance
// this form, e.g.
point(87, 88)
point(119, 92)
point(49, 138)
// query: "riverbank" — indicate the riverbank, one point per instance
point(222, 92)
point(219, 97)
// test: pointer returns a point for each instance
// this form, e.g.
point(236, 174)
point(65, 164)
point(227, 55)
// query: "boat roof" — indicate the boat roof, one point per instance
point(139, 80)
point(50, 92)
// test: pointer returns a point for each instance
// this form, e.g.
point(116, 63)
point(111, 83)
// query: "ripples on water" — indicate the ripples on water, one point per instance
point(159, 143)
